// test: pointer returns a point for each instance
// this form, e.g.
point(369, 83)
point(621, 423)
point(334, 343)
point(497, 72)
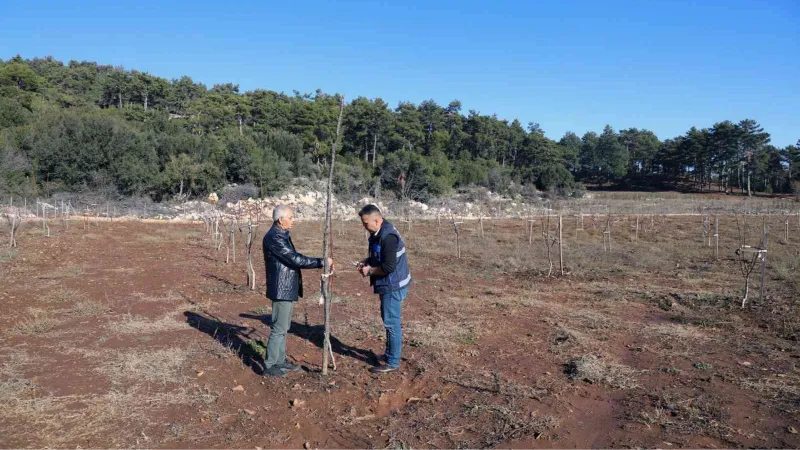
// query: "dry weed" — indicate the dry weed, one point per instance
point(61, 295)
point(38, 321)
point(675, 332)
point(593, 369)
point(13, 385)
point(69, 271)
point(701, 415)
point(784, 388)
point(88, 309)
point(168, 297)
point(142, 325)
point(55, 421)
point(509, 424)
point(163, 365)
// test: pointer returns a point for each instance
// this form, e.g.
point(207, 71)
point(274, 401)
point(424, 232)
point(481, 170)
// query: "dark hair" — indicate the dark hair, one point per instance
point(368, 210)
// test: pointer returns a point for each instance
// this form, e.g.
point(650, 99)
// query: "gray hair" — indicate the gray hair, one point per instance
point(280, 212)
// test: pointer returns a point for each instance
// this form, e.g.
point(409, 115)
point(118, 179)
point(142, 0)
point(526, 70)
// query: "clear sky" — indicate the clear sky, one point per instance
point(660, 65)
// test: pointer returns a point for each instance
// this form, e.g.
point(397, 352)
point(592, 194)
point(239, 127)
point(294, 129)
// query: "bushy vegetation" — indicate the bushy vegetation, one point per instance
point(85, 126)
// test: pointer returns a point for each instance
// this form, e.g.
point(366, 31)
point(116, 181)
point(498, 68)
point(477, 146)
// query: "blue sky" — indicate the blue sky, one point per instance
point(660, 65)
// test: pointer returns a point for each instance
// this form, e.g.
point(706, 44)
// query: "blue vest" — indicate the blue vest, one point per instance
point(401, 277)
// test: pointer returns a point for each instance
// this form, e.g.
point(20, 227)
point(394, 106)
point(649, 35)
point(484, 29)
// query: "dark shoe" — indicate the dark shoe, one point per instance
point(286, 366)
point(384, 369)
point(274, 371)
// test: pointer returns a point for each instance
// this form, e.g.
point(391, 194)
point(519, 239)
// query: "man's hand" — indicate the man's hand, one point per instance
point(330, 264)
point(364, 270)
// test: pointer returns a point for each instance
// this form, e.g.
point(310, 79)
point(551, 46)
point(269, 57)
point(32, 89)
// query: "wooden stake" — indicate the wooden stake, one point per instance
point(560, 245)
point(716, 236)
point(458, 233)
point(327, 350)
point(764, 260)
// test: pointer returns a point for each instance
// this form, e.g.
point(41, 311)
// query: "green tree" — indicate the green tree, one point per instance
point(752, 137)
point(613, 155)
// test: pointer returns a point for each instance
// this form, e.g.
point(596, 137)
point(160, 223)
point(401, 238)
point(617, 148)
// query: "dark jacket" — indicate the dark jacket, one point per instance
point(398, 278)
point(283, 264)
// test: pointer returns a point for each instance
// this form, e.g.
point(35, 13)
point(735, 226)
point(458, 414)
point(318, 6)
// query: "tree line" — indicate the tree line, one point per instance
point(86, 126)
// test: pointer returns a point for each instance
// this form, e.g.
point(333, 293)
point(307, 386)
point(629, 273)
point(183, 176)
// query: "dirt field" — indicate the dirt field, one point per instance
point(129, 334)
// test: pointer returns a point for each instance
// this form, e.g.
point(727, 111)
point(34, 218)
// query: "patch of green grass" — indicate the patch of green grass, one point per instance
point(258, 346)
point(702, 366)
point(671, 370)
point(262, 310)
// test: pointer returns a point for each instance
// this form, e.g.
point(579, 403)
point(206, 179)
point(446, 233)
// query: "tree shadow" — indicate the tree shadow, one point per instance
point(316, 335)
point(228, 284)
point(233, 337)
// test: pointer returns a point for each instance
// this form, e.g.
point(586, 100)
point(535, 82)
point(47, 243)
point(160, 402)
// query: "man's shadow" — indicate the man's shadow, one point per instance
point(316, 335)
point(234, 337)
point(238, 338)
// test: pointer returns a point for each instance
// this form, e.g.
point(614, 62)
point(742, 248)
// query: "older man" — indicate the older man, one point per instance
point(284, 286)
point(389, 275)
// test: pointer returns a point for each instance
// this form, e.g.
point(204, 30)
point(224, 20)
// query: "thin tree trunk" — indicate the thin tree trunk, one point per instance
point(716, 236)
point(325, 288)
point(764, 261)
point(560, 245)
point(374, 148)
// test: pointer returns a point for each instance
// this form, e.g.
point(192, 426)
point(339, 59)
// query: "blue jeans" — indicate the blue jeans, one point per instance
point(391, 312)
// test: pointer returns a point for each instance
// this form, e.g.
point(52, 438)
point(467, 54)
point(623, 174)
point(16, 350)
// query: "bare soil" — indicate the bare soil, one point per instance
point(131, 334)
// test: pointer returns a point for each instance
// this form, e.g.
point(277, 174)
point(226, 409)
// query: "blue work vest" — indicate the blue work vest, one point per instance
point(401, 277)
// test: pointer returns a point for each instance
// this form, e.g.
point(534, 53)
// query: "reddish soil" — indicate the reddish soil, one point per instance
point(129, 334)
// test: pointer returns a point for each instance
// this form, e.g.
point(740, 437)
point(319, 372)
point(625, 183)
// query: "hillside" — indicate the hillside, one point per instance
point(84, 126)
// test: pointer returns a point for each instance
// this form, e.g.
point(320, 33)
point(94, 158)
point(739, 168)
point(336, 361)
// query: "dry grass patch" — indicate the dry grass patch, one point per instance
point(700, 416)
point(168, 297)
point(163, 365)
point(142, 325)
point(38, 321)
point(509, 424)
point(568, 339)
point(88, 309)
point(13, 386)
point(675, 332)
point(61, 295)
point(69, 271)
point(593, 369)
point(786, 388)
point(50, 421)
point(153, 239)
point(8, 255)
point(442, 335)
point(495, 384)
point(595, 320)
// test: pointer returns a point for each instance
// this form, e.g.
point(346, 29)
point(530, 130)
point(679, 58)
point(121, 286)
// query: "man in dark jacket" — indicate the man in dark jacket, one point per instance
point(284, 286)
point(389, 275)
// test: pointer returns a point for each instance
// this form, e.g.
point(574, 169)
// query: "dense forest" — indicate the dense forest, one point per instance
point(89, 127)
